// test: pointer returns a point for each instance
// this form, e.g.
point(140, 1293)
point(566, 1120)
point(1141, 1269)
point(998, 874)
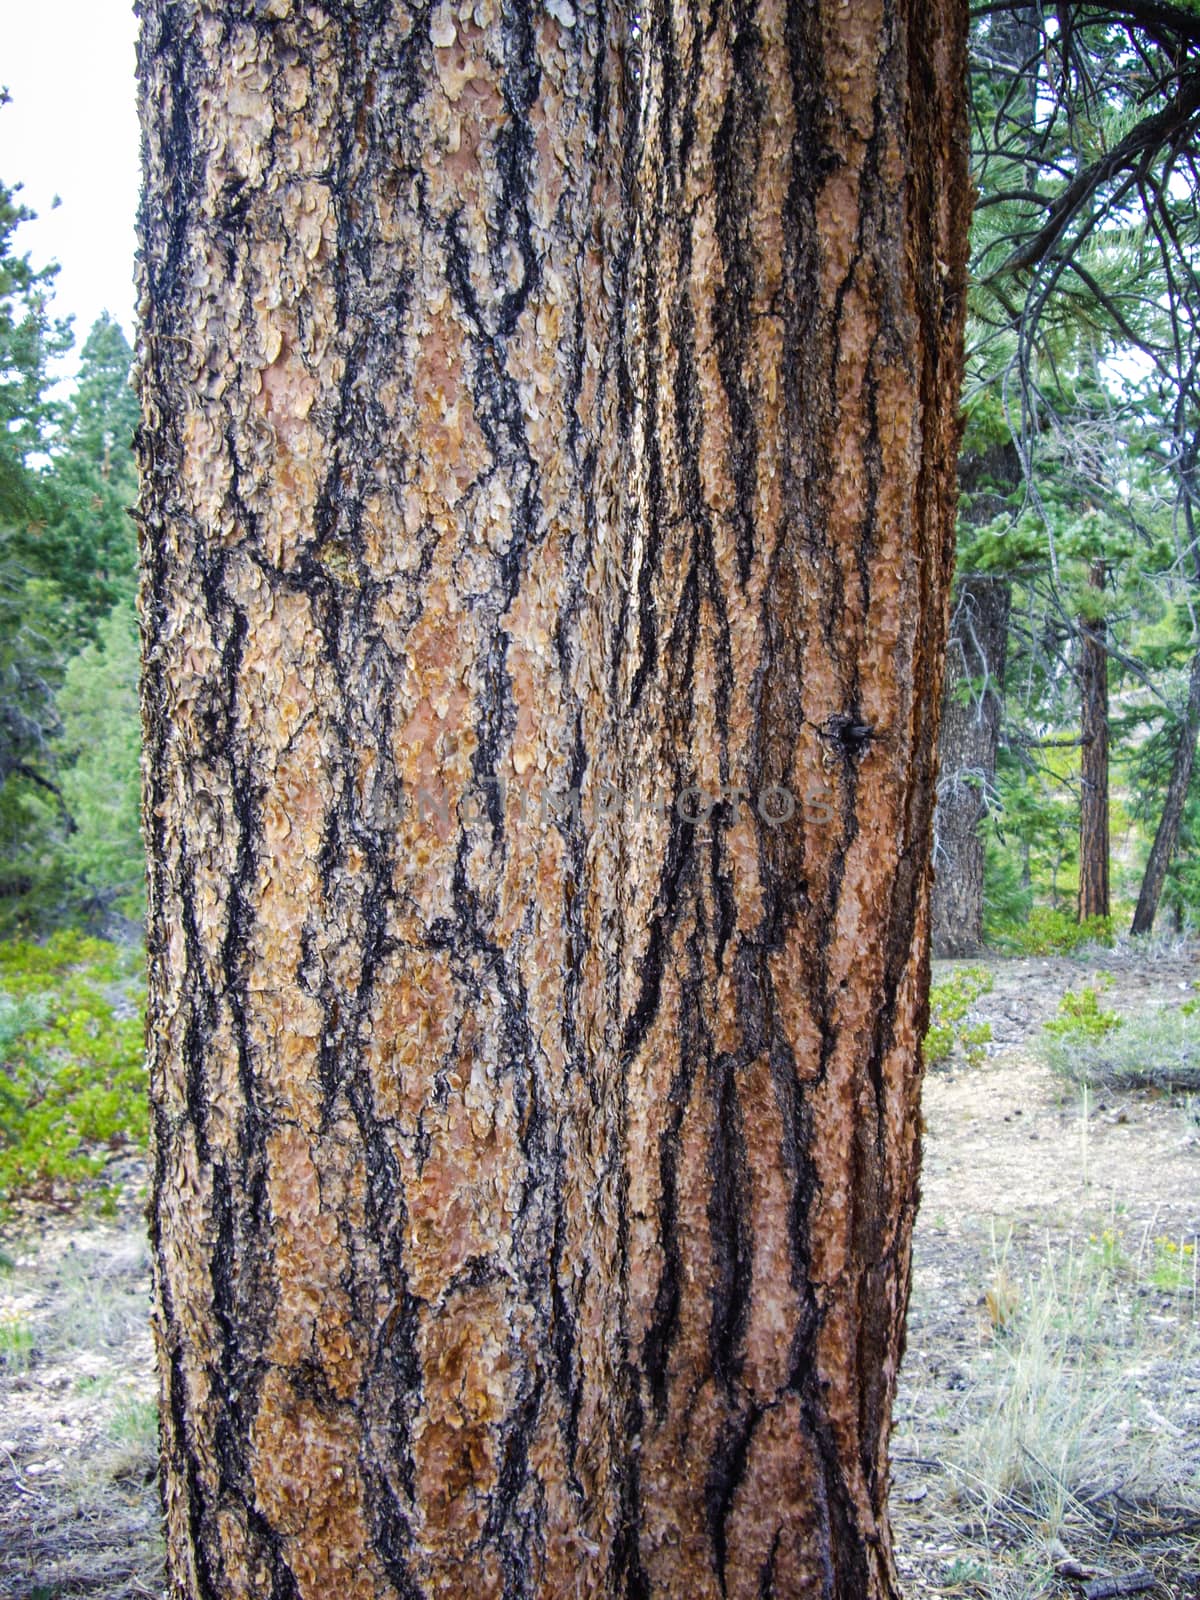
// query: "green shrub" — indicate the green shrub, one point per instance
point(1080, 1016)
point(950, 1030)
point(1051, 933)
point(1160, 1050)
point(73, 1080)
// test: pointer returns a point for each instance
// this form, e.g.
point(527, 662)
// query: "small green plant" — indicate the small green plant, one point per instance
point(964, 1569)
point(134, 1424)
point(1174, 1265)
point(1052, 933)
point(1080, 1016)
point(16, 1342)
point(1106, 1251)
point(72, 1080)
point(951, 1032)
point(99, 1303)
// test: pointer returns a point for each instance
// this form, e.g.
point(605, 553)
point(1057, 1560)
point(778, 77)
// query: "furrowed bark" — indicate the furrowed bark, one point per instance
point(549, 430)
point(381, 257)
point(802, 274)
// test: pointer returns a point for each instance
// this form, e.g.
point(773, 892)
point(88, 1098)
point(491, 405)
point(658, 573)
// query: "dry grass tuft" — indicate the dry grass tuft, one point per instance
point(1158, 1050)
point(1073, 1453)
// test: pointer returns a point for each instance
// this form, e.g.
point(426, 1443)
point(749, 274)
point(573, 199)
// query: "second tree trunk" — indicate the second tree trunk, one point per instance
point(1093, 774)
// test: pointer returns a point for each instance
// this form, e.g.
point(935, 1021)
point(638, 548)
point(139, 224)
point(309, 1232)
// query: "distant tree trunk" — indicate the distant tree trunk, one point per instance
point(1093, 797)
point(549, 439)
point(1015, 37)
point(978, 645)
point(1166, 835)
point(970, 736)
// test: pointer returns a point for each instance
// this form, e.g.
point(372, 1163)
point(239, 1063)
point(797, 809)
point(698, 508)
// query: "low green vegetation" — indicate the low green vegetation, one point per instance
point(1048, 932)
point(952, 1033)
point(1057, 1439)
point(1081, 1017)
point(1158, 1049)
point(79, 1509)
point(1174, 1266)
point(134, 1424)
point(72, 1083)
point(16, 1342)
point(1106, 1251)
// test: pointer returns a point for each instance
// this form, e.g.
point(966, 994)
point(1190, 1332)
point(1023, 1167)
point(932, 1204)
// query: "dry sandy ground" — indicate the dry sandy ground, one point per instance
point(78, 1422)
point(1015, 1177)
point(1029, 1196)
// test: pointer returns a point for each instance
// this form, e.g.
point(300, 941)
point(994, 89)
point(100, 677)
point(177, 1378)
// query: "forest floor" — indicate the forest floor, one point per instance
point(1048, 1423)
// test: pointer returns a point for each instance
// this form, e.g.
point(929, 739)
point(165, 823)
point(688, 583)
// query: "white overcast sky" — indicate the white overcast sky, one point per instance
point(71, 131)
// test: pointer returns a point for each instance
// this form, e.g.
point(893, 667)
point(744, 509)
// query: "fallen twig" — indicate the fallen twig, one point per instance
point(1113, 1588)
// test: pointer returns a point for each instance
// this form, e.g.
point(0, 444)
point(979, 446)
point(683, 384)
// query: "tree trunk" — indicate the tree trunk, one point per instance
point(970, 736)
point(549, 440)
point(973, 701)
point(1093, 771)
point(1166, 835)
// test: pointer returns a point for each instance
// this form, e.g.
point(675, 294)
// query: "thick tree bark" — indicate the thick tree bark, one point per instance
point(1093, 768)
point(535, 403)
point(970, 737)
